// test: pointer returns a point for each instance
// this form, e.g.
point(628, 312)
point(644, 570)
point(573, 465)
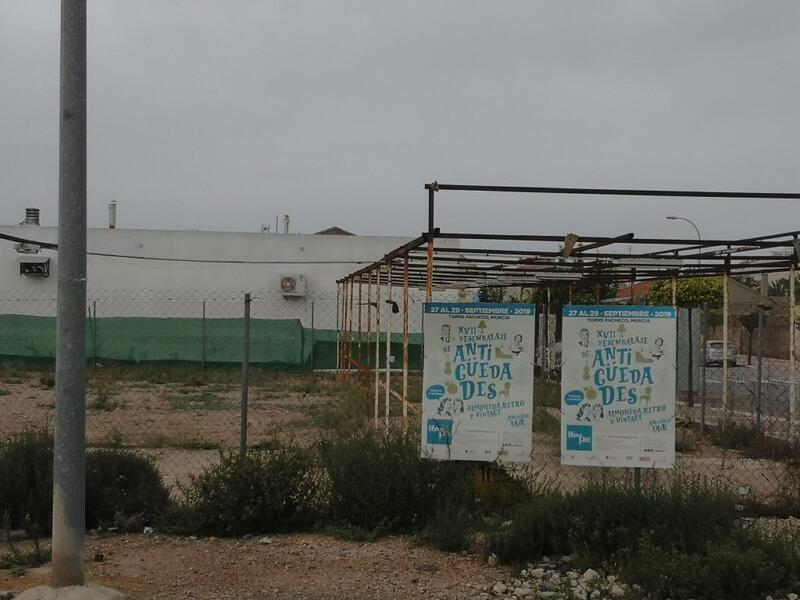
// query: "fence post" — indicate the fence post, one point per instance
point(245, 376)
point(690, 373)
point(759, 363)
point(313, 338)
point(203, 349)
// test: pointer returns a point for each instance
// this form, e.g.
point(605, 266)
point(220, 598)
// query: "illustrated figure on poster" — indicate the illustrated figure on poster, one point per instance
point(445, 408)
point(583, 338)
point(597, 412)
point(458, 406)
point(518, 347)
point(445, 334)
point(658, 348)
point(584, 413)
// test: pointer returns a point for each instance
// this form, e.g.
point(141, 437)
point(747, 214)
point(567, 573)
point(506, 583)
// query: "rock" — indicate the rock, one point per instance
point(148, 530)
point(522, 592)
point(567, 559)
point(617, 591)
point(523, 573)
point(611, 579)
point(590, 575)
point(789, 597)
point(78, 592)
point(6, 595)
point(548, 586)
point(492, 560)
point(265, 540)
point(538, 573)
point(97, 558)
point(499, 588)
point(595, 594)
point(548, 594)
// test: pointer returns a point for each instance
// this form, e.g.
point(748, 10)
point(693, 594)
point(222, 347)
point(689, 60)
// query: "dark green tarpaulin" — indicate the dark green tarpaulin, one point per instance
point(273, 342)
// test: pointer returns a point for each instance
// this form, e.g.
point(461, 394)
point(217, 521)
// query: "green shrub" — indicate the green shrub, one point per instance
point(26, 479)
point(122, 483)
point(378, 480)
point(743, 565)
point(536, 528)
point(272, 488)
point(117, 481)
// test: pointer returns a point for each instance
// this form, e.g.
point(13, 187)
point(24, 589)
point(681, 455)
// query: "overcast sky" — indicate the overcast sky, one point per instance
point(223, 114)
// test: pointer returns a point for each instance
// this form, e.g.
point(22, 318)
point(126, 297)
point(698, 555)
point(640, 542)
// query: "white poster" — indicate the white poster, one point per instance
point(618, 386)
point(477, 400)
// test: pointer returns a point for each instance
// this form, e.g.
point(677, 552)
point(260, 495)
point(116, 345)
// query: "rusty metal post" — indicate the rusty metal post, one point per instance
point(350, 332)
point(388, 341)
point(725, 309)
point(405, 342)
point(360, 303)
point(245, 376)
point(369, 321)
point(792, 407)
point(338, 329)
point(377, 344)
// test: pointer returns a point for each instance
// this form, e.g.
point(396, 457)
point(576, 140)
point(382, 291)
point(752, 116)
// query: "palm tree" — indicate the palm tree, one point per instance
point(779, 287)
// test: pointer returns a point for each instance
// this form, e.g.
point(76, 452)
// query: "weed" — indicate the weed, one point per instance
point(546, 393)
point(103, 402)
point(686, 441)
point(47, 381)
point(265, 490)
point(198, 401)
point(545, 422)
point(4, 392)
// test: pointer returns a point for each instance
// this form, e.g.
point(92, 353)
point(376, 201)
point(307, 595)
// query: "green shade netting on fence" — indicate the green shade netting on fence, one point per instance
point(277, 343)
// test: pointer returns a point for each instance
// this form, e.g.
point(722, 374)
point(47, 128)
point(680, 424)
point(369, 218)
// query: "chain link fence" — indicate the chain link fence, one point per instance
point(165, 378)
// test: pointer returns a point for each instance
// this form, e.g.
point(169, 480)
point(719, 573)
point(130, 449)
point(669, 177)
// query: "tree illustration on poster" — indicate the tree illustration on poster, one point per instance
point(477, 401)
point(618, 386)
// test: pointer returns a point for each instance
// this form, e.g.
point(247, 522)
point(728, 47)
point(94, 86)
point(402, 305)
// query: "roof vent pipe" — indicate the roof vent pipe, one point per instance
point(112, 214)
point(31, 217)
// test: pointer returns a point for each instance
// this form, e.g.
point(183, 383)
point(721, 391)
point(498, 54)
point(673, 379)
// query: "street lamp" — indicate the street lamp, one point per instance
point(699, 239)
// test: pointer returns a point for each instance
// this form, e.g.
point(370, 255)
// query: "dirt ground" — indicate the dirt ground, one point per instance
point(291, 566)
point(183, 417)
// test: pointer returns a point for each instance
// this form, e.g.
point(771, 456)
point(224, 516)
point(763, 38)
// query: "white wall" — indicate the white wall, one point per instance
point(144, 286)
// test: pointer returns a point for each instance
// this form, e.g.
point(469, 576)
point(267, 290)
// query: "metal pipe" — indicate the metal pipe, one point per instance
point(405, 342)
point(608, 191)
point(759, 364)
point(703, 340)
point(792, 335)
point(360, 306)
point(369, 320)
point(377, 344)
point(388, 342)
point(725, 309)
point(245, 377)
point(338, 330)
point(350, 353)
point(69, 459)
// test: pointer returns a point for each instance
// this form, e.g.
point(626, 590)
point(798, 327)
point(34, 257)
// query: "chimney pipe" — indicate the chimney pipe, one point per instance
point(31, 217)
point(112, 214)
point(286, 221)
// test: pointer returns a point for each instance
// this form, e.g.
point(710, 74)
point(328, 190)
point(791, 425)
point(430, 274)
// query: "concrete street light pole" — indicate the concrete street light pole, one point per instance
point(69, 466)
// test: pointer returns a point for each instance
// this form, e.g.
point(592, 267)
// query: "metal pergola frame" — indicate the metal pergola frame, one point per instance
point(507, 260)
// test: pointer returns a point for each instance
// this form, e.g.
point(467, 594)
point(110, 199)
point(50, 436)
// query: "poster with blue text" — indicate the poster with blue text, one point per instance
point(618, 386)
point(477, 384)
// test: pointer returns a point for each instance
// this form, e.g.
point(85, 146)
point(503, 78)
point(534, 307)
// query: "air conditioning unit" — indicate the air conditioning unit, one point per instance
point(37, 266)
point(293, 286)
